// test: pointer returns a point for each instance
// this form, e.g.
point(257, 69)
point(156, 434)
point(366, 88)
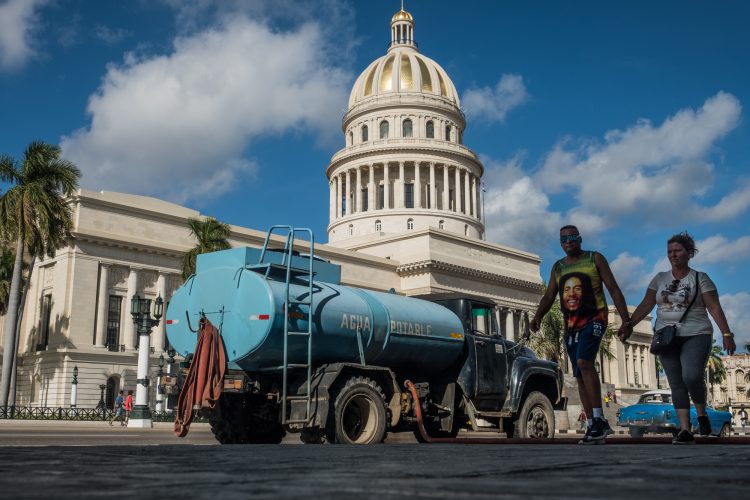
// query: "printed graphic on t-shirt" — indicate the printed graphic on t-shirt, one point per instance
point(675, 297)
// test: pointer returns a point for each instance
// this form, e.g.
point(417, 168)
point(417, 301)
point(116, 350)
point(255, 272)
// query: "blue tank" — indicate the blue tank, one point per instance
point(402, 333)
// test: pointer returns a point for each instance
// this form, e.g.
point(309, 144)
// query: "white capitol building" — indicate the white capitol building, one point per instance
point(405, 213)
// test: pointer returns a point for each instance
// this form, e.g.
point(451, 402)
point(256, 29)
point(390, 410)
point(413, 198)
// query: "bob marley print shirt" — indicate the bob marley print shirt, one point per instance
point(580, 289)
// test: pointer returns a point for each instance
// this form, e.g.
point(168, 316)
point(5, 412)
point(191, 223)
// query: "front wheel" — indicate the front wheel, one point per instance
point(359, 413)
point(636, 432)
point(536, 418)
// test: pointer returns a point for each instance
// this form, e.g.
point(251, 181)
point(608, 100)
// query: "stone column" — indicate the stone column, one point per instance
point(338, 196)
point(102, 306)
point(417, 186)
point(457, 190)
point(331, 198)
point(401, 191)
point(446, 198)
point(467, 195)
point(502, 322)
point(349, 208)
point(358, 191)
point(128, 327)
point(474, 194)
point(433, 190)
point(371, 188)
point(160, 331)
point(387, 185)
point(510, 326)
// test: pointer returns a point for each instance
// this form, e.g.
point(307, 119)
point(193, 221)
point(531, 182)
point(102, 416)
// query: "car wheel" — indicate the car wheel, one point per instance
point(536, 418)
point(725, 431)
point(636, 432)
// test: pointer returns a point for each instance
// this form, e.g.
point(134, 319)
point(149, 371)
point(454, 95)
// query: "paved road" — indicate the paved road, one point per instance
point(137, 468)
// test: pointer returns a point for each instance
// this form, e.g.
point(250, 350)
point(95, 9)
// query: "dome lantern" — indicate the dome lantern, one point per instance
point(402, 30)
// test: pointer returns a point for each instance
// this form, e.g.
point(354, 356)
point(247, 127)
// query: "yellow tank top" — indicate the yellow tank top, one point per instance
point(580, 289)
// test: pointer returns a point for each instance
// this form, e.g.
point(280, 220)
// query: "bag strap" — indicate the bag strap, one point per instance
point(697, 291)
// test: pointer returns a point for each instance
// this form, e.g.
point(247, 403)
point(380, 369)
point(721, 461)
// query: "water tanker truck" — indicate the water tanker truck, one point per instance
point(307, 354)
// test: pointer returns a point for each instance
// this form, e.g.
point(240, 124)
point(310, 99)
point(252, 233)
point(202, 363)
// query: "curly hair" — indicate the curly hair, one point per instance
point(687, 242)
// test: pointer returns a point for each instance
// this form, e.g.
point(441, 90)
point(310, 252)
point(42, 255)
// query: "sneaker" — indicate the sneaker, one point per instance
point(704, 426)
point(598, 431)
point(684, 437)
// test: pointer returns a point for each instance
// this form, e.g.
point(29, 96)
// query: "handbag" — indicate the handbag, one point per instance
point(664, 337)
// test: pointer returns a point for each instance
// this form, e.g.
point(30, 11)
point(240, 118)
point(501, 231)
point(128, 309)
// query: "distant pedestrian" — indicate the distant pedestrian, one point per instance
point(128, 406)
point(743, 419)
point(606, 400)
point(582, 420)
point(117, 414)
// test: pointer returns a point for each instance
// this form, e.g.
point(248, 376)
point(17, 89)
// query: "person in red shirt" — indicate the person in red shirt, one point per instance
point(128, 406)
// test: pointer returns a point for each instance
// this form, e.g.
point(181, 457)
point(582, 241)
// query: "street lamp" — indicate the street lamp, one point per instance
point(159, 391)
point(100, 405)
point(170, 361)
point(141, 311)
point(74, 388)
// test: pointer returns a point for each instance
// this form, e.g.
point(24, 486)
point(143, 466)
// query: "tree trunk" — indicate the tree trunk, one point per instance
point(21, 306)
point(10, 324)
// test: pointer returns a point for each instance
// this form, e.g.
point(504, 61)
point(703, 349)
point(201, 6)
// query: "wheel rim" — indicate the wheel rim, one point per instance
point(536, 423)
point(359, 419)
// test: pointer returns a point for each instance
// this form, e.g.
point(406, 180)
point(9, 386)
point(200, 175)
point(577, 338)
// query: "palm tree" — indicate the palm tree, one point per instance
point(36, 214)
point(211, 236)
point(717, 372)
point(7, 258)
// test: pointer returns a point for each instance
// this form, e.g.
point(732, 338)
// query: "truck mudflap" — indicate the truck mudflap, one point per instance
point(326, 377)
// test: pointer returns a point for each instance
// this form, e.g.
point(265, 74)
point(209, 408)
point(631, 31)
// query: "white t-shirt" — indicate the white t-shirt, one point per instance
point(673, 296)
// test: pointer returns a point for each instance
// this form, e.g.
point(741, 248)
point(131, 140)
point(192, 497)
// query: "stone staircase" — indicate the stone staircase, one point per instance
point(567, 421)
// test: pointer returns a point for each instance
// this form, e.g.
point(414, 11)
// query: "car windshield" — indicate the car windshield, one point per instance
point(655, 398)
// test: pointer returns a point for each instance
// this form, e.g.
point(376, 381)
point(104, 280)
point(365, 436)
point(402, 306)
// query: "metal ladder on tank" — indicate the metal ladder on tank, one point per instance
point(286, 263)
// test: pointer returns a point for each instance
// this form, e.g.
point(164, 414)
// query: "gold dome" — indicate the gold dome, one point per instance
point(402, 15)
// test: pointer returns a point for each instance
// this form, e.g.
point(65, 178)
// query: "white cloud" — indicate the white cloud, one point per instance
point(633, 274)
point(18, 20)
point(111, 36)
point(738, 315)
point(659, 173)
point(718, 248)
point(493, 104)
point(175, 125)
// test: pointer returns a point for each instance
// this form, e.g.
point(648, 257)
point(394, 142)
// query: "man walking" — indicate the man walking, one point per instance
point(119, 401)
point(578, 279)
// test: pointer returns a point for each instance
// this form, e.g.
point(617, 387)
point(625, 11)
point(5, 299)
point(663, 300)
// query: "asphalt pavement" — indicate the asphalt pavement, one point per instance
point(74, 460)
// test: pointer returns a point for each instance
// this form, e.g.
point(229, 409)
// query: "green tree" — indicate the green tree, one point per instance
point(7, 259)
point(211, 236)
point(717, 372)
point(35, 213)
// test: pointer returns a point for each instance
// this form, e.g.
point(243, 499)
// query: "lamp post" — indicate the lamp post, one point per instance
point(100, 405)
point(141, 311)
point(170, 361)
point(74, 388)
point(159, 391)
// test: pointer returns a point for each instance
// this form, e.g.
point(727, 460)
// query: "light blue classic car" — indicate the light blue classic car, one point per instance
point(654, 413)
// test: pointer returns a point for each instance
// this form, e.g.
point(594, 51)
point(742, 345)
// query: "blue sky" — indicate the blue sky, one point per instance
point(626, 118)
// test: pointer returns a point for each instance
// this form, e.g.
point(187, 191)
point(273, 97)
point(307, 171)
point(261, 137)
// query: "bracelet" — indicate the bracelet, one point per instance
point(728, 334)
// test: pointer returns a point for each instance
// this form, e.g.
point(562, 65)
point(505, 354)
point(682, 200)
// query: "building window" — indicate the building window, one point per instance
point(410, 224)
point(384, 129)
point(409, 195)
point(381, 196)
point(378, 226)
point(407, 131)
point(365, 200)
point(46, 319)
point(447, 132)
point(351, 229)
point(364, 133)
point(430, 130)
point(113, 322)
point(351, 138)
point(441, 224)
point(109, 399)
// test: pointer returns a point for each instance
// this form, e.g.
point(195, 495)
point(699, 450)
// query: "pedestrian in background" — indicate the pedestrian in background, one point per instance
point(582, 420)
point(685, 291)
point(117, 414)
point(128, 406)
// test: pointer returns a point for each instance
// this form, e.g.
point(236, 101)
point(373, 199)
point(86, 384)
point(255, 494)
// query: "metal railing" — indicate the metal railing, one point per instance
point(78, 414)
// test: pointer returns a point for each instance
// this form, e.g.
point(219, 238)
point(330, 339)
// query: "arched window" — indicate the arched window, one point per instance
point(441, 224)
point(410, 224)
point(384, 129)
point(447, 132)
point(430, 130)
point(112, 389)
point(364, 133)
point(351, 138)
point(407, 132)
point(351, 229)
point(378, 226)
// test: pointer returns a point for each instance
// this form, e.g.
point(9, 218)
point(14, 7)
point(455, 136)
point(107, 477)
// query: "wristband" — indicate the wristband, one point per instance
point(728, 334)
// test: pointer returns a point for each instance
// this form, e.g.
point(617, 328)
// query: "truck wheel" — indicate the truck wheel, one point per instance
point(636, 432)
point(536, 418)
point(359, 414)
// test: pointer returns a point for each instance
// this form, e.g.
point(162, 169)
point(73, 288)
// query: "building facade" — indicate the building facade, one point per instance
point(734, 390)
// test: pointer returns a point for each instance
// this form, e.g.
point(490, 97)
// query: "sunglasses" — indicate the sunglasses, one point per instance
point(568, 238)
point(673, 286)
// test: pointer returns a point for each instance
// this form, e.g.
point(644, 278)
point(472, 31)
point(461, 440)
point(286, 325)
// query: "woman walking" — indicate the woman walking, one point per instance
point(683, 291)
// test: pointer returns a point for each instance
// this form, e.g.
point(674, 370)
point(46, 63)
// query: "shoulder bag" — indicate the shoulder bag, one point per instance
point(664, 338)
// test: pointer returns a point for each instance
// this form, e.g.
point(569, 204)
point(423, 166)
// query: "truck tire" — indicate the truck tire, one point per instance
point(359, 413)
point(236, 420)
point(636, 432)
point(536, 418)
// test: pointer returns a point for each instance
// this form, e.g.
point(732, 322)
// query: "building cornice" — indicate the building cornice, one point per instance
point(431, 265)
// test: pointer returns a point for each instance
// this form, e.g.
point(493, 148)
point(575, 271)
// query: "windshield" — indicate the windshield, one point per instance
point(655, 398)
